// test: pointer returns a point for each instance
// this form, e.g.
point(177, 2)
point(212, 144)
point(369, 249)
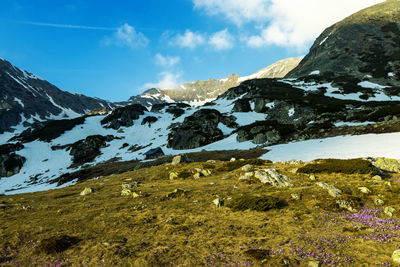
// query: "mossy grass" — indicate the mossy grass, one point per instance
point(349, 166)
point(256, 203)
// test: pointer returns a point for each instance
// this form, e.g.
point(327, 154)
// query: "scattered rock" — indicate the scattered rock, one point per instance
point(206, 172)
point(180, 159)
point(333, 191)
point(126, 192)
point(123, 116)
point(232, 160)
point(135, 195)
point(211, 161)
point(389, 211)
point(343, 204)
point(391, 165)
point(87, 191)
point(377, 178)
point(378, 202)
point(246, 176)
point(227, 176)
point(364, 190)
point(314, 264)
point(272, 176)
point(247, 167)
point(218, 202)
point(396, 256)
point(130, 185)
point(296, 196)
point(312, 177)
point(197, 175)
point(173, 175)
point(388, 183)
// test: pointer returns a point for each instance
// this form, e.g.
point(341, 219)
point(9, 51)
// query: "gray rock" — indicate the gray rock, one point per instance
point(218, 202)
point(180, 159)
point(343, 204)
point(247, 167)
point(273, 177)
point(333, 191)
point(396, 256)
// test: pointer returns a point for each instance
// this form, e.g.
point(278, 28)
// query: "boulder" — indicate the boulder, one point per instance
point(149, 120)
point(199, 129)
point(391, 165)
point(87, 191)
point(123, 117)
point(180, 159)
point(173, 175)
point(88, 149)
point(333, 191)
point(273, 177)
point(218, 202)
point(10, 164)
point(389, 211)
point(241, 105)
point(343, 204)
point(247, 167)
point(396, 256)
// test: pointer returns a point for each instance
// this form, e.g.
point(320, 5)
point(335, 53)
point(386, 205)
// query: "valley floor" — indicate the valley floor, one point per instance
point(164, 222)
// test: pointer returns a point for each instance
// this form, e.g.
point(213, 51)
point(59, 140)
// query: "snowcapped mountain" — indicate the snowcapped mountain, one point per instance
point(26, 98)
point(198, 93)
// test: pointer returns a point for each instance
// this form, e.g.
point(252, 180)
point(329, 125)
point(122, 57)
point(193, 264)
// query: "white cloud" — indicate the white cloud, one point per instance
point(222, 40)
point(126, 35)
point(188, 40)
point(287, 23)
point(166, 61)
point(237, 11)
point(166, 80)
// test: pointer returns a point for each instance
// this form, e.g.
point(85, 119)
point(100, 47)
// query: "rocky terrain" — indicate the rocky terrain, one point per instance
point(26, 98)
point(197, 93)
point(364, 44)
point(336, 204)
point(214, 213)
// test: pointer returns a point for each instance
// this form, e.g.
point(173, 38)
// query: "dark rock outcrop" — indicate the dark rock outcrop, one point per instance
point(199, 129)
point(88, 149)
point(123, 117)
point(10, 164)
point(366, 43)
point(49, 130)
point(149, 120)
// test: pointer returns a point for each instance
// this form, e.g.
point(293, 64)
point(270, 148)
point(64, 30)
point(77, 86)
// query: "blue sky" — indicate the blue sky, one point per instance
point(116, 49)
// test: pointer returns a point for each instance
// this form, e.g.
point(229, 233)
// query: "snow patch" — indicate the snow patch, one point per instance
point(342, 147)
point(367, 84)
point(19, 102)
point(315, 72)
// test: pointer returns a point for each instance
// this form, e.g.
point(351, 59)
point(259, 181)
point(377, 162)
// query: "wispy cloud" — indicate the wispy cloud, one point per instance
point(222, 40)
point(189, 40)
point(67, 26)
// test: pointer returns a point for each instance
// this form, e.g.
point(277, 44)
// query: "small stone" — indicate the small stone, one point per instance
point(379, 202)
point(173, 175)
point(247, 167)
point(296, 196)
point(389, 211)
point(377, 178)
point(126, 192)
point(87, 191)
point(246, 176)
point(364, 190)
point(180, 159)
point(388, 183)
point(396, 256)
point(312, 177)
point(218, 202)
point(197, 175)
point(211, 161)
point(294, 171)
point(333, 191)
point(345, 205)
point(232, 160)
point(135, 195)
point(205, 172)
point(3, 206)
point(211, 183)
point(314, 264)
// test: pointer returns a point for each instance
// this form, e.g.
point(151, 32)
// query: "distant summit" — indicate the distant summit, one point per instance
point(197, 93)
point(365, 44)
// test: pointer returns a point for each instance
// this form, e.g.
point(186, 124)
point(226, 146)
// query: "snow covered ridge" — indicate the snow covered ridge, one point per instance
point(257, 113)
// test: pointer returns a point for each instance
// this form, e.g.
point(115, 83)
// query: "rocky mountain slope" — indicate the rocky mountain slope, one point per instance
point(364, 44)
point(26, 98)
point(197, 93)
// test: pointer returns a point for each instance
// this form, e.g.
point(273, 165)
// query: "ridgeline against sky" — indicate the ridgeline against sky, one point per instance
point(116, 50)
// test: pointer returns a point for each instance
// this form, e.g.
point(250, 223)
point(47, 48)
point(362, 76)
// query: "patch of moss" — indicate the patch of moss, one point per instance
point(233, 165)
point(185, 174)
point(264, 203)
point(350, 166)
point(257, 254)
point(57, 244)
